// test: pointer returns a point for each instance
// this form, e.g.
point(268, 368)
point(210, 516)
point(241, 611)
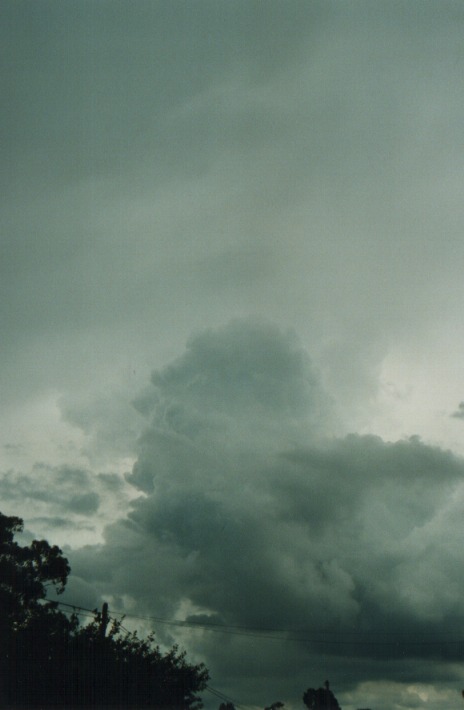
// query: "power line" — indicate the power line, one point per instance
point(259, 632)
point(78, 610)
point(75, 606)
point(266, 632)
point(252, 632)
point(288, 634)
point(302, 636)
point(221, 696)
point(82, 611)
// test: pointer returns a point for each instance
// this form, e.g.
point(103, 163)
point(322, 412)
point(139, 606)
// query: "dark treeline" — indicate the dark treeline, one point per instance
point(49, 660)
point(314, 699)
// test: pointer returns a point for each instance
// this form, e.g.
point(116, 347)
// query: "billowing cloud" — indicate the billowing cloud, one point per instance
point(173, 167)
point(67, 504)
point(459, 413)
point(170, 167)
point(52, 486)
point(348, 548)
point(109, 422)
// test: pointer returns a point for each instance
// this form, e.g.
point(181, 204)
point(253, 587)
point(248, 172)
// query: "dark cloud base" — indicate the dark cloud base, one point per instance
point(348, 549)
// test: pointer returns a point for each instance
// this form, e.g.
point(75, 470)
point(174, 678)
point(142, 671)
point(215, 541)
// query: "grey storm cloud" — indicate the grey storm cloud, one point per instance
point(172, 166)
point(107, 419)
point(177, 165)
point(52, 485)
point(255, 518)
point(57, 497)
point(459, 413)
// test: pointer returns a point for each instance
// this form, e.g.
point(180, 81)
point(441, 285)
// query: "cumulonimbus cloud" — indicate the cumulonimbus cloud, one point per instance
point(252, 516)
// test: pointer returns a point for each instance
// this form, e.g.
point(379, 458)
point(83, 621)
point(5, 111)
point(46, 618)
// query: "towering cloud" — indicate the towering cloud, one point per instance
point(172, 167)
point(250, 517)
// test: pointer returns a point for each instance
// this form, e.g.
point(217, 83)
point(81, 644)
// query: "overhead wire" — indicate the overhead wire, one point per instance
point(221, 696)
point(253, 632)
point(82, 611)
point(323, 636)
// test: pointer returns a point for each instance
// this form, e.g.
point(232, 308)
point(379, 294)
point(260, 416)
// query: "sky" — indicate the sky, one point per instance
point(231, 322)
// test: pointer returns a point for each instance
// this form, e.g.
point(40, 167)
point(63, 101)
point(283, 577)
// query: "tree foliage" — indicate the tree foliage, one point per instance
point(26, 573)
point(320, 699)
point(48, 660)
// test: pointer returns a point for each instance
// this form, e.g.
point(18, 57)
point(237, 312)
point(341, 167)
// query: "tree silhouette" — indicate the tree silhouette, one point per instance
point(26, 573)
point(321, 699)
point(48, 660)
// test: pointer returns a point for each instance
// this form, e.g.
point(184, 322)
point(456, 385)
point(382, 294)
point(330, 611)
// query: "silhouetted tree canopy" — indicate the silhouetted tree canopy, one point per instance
point(48, 660)
point(321, 699)
point(26, 573)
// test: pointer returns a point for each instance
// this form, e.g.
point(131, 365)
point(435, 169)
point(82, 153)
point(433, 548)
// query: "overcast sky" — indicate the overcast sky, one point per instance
point(231, 302)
